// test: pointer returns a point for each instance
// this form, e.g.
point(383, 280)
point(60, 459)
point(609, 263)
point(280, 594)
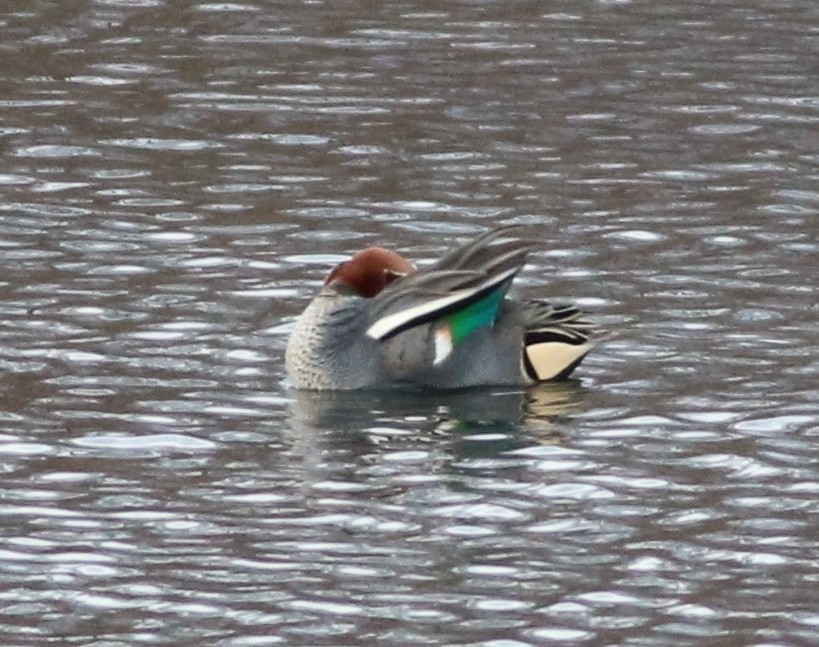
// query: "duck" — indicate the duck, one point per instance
point(379, 321)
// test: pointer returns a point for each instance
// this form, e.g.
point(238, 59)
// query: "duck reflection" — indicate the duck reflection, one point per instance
point(477, 421)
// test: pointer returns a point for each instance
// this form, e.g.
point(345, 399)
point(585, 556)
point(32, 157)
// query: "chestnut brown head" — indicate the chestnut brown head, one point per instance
point(369, 272)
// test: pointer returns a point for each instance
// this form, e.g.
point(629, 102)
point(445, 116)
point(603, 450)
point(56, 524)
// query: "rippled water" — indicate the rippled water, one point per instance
point(178, 177)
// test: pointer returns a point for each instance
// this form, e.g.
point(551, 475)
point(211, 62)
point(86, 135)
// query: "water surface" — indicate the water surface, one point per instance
point(178, 178)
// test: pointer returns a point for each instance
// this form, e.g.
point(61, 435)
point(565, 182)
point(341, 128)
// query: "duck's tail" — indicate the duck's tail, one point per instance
point(556, 340)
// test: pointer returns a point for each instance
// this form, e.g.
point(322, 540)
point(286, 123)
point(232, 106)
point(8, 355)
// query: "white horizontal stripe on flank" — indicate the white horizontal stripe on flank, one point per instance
point(385, 325)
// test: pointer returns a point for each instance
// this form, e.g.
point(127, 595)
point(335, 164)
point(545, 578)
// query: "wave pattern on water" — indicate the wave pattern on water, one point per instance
point(179, 177)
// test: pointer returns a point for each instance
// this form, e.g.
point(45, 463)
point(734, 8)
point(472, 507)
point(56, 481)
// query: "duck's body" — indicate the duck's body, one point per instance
point(377, 322)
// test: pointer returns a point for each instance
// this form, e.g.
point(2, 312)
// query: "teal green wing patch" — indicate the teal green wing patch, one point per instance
point(480, 314)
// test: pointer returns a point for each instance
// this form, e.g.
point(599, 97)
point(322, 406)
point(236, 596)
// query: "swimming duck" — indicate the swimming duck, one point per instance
point(380, 322)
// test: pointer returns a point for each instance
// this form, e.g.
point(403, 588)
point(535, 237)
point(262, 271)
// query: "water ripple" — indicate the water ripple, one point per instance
point(178, 184)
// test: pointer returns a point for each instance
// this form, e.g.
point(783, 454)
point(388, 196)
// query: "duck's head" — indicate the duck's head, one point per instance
point(368, 272)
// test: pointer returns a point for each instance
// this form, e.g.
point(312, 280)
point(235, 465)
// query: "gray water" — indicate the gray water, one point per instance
point(178, 177)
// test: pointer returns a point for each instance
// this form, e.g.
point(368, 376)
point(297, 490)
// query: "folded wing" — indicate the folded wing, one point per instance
point(466, 287)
